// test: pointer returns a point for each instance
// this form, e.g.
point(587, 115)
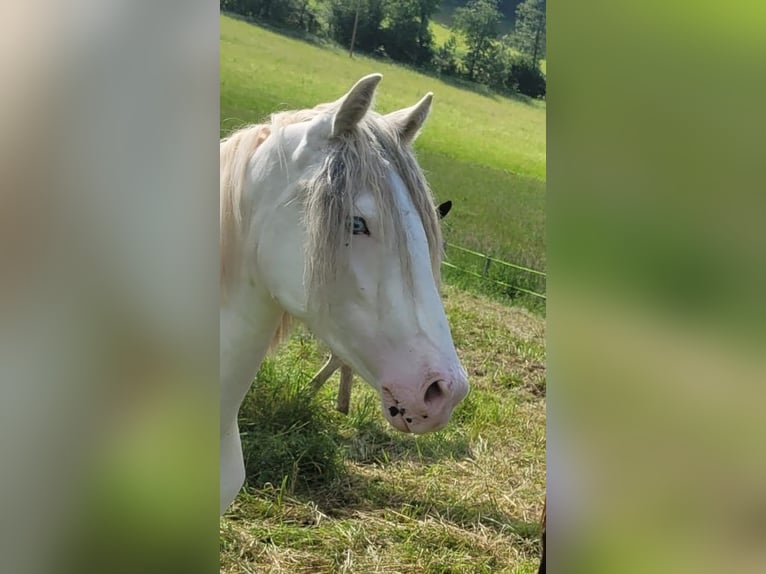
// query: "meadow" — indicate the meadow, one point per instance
point(334, 493)
point(442, 33)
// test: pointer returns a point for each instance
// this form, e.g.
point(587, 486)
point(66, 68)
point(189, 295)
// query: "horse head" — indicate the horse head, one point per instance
point(345, 237)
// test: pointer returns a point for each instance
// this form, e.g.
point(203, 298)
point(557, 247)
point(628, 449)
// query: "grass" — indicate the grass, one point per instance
point(330, 493)
point(442, 33)
point(483, 151)
point(262, 71)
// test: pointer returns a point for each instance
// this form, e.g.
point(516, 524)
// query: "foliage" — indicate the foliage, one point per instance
point(446, 58)
point(529, 29)
point(494, 65)
point(477, 21)
point(369, 33)
point(299, 14)
point(527, 78)
point(407, 36)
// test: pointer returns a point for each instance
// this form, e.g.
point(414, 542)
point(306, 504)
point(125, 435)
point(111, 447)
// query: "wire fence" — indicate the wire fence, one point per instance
point(488, 261)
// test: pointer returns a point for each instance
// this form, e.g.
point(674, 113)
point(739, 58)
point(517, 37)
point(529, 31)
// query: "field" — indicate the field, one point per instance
point(484, 152)
point(442, 33)
point(330, 493)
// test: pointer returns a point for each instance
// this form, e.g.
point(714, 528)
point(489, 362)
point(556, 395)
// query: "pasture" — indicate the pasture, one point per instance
point(442, 33)
point(330, 493)
point(484, 152)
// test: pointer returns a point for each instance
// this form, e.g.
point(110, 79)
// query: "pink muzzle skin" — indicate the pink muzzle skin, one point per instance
point(423, 408)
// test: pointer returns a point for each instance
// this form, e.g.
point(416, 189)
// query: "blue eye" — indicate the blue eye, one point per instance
point(360, 226)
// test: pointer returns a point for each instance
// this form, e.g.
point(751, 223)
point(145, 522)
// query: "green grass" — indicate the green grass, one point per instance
point(483, 151)
point(442, 33)
point(330, 493)
point(262, 71)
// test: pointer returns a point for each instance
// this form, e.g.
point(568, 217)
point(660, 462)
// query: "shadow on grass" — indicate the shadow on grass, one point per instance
point(372, 441)
point(286, 438)
point(355, 493)
point(296, 447)
point(292, 436)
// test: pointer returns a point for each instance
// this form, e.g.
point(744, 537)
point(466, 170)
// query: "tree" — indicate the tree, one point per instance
point(446, 60)
point(477, 21)
point(529, 29)
point(526, 78)
point(341, 16)
point(407, 34)
point(299, 14)
point(425, 38)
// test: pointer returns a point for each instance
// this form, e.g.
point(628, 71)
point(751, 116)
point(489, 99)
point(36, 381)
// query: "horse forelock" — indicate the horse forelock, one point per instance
point(362, 160)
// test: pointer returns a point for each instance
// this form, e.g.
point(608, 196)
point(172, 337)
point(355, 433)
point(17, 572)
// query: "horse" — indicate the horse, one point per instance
point(327, 218)
point(346, 374)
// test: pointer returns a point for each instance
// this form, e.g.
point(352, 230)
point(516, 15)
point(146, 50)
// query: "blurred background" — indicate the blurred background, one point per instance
point(656, 275)
point(109, 322)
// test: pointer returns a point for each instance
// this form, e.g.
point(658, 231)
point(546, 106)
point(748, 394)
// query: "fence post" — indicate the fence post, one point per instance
point(487, 261)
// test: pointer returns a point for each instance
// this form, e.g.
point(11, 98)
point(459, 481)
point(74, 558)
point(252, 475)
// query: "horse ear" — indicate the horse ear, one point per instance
point(355, 104)
point(409, 120)
point(444, 208)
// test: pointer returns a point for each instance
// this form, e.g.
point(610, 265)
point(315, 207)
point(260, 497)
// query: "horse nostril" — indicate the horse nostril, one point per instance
point(393, 411)
point(433, 392)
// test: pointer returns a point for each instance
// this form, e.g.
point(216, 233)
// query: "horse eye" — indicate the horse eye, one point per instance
point(360, 226)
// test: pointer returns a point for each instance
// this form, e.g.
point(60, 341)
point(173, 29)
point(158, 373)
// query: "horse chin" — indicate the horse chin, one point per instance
point(399, 424)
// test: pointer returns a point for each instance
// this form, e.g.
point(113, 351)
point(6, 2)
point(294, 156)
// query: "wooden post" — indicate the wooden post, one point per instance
point(329, 368)
point(487, 261)
point(353, 33)
point(344, 391)
point(346, 380)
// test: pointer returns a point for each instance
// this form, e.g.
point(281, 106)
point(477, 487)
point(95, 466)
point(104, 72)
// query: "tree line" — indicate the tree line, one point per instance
point(400, 30)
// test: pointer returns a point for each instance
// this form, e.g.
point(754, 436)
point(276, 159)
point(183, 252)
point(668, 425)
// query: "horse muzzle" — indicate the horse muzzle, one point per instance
point(423, 408)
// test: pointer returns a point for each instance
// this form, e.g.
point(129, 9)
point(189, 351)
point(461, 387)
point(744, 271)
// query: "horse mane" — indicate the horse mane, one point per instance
point(357, 161)
point(236, 152)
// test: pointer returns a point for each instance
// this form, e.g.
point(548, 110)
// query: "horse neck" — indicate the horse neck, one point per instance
point(249, 320)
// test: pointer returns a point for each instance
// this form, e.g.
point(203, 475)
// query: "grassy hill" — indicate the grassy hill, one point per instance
point(484, 152)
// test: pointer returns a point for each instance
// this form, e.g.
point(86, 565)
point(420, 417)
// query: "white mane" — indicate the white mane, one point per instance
point(353, 162)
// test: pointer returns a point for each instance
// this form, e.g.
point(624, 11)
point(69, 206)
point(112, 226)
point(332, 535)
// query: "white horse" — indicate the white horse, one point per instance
point(326, 217)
